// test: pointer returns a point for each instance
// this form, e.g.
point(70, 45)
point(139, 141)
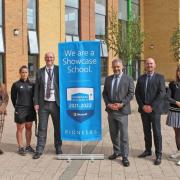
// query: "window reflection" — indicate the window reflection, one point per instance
point(100, 10)
point(0, 12)
point(1, 69)
point(72, 20)
point(31, 14)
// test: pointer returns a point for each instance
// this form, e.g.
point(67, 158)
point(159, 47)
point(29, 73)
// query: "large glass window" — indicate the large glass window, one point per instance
point(100, 26)
point(31, 14)
point(32, 39)
point(123, 17)
point(1, 68)
point(32, 65)
point(100, 10)
point(72, 20)
point(122, 12)
point(135, 8)
point(1, 41)
point(33, 43)
point(72, 3)
point(0, 12)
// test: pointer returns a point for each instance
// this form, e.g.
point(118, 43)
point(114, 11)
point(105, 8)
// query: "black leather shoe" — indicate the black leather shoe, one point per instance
point(114, 156)
point(1, 151)
point(59, 151)
point(36, 155)
point(157, 161)
point(144, 154)
point(125, 161)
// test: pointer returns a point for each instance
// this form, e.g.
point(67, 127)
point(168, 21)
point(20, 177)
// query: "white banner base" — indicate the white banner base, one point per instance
point(80, 157)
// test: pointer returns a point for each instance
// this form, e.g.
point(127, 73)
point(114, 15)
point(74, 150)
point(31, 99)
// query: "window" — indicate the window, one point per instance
point(31, 14)
point(100, 10)
point(32, 39)
point(32, 66)
point(123, 17)
point(1, 41)
point(72, 20)
point(1, 68)
point(135, 9)
point(100, 26)
point(122, 12)
point(74, 3)
point(33, 44)
point(0, 12)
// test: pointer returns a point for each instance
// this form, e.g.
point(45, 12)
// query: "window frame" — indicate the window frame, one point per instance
point(34, 14)
point(73, 35)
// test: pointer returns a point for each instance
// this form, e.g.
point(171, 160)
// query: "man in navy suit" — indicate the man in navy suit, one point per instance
point(118, 92)
point(46, 100)
point(150, 93)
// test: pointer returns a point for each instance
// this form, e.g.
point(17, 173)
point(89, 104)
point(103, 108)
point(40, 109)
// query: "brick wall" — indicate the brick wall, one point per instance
point(16, 49)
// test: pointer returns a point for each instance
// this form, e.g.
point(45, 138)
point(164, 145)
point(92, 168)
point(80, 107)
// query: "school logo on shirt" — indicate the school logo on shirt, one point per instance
point(30, 87)
point(80, 103)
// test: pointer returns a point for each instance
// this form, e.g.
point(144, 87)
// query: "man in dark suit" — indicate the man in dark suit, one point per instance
point(118, 92)
point(46, 100)
point(150, 92)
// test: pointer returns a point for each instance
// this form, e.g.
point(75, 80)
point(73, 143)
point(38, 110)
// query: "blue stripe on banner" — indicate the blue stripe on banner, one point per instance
point(80, 90)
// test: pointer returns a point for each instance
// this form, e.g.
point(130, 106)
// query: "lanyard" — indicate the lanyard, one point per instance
point(50, 75)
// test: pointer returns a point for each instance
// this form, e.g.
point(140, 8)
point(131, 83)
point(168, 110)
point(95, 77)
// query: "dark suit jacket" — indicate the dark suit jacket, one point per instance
point(157, 92)
point(39, 86)
point(125, 93)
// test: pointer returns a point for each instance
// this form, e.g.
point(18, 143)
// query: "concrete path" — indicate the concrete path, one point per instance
point(16, 167)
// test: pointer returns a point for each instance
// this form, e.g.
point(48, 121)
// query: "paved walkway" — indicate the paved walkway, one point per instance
point(16, 167)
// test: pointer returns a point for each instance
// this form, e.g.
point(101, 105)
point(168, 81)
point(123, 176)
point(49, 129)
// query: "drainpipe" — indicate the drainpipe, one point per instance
point(129, 16)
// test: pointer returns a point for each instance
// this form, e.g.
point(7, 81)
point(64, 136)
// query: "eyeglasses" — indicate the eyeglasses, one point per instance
point(49, 57)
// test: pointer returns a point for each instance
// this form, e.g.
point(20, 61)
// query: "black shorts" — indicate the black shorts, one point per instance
point(24, 114)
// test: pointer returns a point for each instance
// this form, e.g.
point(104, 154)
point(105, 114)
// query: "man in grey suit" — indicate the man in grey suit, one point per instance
point(150, 93)
point(46, 100)
point(118, 92)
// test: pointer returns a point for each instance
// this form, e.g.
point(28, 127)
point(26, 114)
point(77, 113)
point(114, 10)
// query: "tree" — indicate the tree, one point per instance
point(175, 44)
point(130, 46)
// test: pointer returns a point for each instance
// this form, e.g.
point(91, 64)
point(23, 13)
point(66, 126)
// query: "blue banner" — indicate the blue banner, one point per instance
point(80, 90)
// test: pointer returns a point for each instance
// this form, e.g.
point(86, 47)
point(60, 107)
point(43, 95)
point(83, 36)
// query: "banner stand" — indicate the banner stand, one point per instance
point(80, 156)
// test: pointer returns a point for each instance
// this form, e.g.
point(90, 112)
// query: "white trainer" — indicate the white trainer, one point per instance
point(175, 155)
point(178, 163)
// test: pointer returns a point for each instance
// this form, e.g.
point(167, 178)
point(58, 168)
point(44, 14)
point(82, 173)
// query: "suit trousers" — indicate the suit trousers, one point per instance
point(49, 108)
point(147, 120)
point(118, 127)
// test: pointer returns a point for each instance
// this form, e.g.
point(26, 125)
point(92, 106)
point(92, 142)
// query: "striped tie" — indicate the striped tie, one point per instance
point(49, 81)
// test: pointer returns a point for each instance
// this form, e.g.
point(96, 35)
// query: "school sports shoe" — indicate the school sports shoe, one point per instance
point(175, 155)
point(29, 149)
point(1, 151)
point(21, 151)
point(178, 163)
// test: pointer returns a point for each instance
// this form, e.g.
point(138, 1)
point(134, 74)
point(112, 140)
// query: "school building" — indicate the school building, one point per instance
point(29, 28)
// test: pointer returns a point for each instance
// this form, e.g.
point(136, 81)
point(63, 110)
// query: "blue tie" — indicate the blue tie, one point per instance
point(148, 79)
point(114, 90)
